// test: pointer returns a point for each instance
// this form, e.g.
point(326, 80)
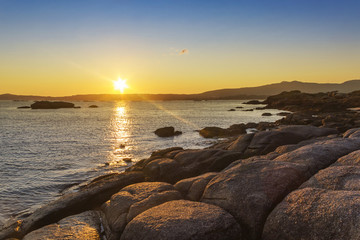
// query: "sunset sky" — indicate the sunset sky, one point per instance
point(65, 47)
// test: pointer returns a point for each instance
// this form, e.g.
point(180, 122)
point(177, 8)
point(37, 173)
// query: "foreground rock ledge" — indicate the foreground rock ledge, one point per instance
point(183, 220)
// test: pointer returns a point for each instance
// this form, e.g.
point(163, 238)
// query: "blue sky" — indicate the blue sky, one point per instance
point(231, 43)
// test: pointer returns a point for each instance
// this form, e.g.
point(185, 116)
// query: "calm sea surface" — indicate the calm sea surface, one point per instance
point(43, 152)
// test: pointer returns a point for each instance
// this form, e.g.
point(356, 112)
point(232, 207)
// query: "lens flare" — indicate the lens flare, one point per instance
point(120, 85)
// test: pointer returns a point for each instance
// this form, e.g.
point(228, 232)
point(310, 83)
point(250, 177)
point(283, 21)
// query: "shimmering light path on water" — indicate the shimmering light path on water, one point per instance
point(43, 152)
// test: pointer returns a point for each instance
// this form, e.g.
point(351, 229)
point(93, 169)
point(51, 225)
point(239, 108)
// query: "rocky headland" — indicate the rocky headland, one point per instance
point(298, 179)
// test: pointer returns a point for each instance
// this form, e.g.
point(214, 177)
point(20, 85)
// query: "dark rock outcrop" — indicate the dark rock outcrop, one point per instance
point(93, 106)
point(233, 130)
point(51, 105)
point(253, 102)
point(266, 114)
point(183, 220)
point(167, 132)
point(24, 107)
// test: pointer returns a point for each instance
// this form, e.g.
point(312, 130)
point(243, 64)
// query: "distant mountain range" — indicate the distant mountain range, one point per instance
point(234, 93)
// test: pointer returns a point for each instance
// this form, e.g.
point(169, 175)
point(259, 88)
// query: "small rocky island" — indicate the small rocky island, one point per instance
point(300, 179)
point(51, 105)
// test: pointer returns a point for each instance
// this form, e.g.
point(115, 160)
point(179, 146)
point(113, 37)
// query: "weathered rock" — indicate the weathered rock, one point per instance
point(321, 154)
point(183, 220)
point(350, 132)
point(250, 191)
point(167, 132)
point(82, 226)
point(267, 141)
point(51, 105)
point(87, 198)
point(241, 143)
point(352, 159)
point(211, 132)
point(336, 178)
point(189, 163)
point(193, 188)
point(135, 199)
point(315, 214)
point(355, 133)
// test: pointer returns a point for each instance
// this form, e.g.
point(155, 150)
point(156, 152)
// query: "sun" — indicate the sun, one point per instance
point(120, 85)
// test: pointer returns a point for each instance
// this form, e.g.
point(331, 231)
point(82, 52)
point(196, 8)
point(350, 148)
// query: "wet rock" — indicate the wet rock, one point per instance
point(51, 105)
point(315, 214)
point(250, 191)
point(183, 220)
point(82, 226)
point(135, 199)
point(88, 197)
point(193, 188)
point(266, 114)
point(167, 132)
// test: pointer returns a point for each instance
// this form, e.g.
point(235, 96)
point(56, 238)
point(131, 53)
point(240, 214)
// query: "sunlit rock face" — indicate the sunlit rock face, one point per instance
point(312, 213)
point(183, 220)
point(86, 225)
point(135, 199)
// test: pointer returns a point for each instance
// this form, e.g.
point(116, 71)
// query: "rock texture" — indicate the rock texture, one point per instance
point(183, 220)
point(89, 197)
point(135, 199)
point(86, 225)
point(193, 188)
point(312, 213)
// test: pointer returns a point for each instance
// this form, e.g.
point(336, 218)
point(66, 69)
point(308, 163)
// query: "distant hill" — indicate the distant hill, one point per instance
point(276, 88)
point(235, 93)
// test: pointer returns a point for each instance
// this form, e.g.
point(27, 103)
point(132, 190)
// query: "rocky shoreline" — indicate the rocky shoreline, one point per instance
point(298, 179)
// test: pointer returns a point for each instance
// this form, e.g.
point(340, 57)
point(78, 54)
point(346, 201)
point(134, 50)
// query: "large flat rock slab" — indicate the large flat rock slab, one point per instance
point(318, 214)
point(183, 220)
point(135, 199)
point(86, 225)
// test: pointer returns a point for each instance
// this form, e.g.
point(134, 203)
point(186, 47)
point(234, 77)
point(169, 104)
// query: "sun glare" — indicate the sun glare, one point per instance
point(120, 85)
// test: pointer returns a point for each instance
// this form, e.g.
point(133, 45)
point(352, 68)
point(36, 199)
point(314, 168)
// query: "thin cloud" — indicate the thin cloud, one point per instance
point(184, 51)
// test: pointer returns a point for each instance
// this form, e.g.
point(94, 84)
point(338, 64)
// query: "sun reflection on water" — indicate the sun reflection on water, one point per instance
point(120, 155)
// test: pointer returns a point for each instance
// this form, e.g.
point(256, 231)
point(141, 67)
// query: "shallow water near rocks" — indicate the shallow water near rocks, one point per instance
point(43, 152)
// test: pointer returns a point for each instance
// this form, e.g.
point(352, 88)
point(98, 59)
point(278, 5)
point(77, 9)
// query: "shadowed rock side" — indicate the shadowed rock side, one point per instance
point(183, 220)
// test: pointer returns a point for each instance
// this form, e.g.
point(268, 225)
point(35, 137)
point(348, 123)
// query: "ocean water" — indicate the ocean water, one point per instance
point(43, 152)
